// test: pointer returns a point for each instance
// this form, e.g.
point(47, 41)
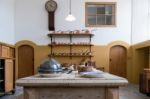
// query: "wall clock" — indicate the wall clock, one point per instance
point(51, 7)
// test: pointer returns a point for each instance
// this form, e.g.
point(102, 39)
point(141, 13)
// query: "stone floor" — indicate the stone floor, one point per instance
point(131, 92)
point(128, 92)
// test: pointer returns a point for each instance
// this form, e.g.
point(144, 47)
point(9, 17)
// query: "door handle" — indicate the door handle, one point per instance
point(110, 59)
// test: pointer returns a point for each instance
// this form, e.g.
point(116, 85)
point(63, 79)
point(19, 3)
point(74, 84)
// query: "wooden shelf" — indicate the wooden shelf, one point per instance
point(68, 34)
point(71, 35)
point(1, 68)
point(69, 55)
point(1, 80)
point(82, 55)
point(2, 93)
point(70, 44)
point(7, 58)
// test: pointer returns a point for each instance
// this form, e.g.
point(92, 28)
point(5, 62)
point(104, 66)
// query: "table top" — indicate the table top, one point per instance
point(72, 80)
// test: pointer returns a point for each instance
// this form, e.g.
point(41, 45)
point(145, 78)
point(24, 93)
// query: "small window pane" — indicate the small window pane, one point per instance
point(92, 11)
point(92, 20)
point(100, 20)
point(101, 9)
point(109, 20)
point(108, 9)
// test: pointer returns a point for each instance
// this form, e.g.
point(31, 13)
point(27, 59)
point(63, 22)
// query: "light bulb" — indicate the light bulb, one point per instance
point(70, 18)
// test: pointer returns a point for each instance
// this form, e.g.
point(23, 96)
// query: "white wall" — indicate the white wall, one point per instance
point(7, 21)
point(141, 24)
point(31, 21)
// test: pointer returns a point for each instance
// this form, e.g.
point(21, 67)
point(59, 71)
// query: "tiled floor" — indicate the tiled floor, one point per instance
point(128, 92)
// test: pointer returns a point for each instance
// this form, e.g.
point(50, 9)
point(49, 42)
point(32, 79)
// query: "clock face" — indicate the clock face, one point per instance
point(51, 6)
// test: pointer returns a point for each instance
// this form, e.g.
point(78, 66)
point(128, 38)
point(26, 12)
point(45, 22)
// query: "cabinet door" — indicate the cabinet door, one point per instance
point(9, 77)
point(12, 53)
point(5, 51)
point(0, 50)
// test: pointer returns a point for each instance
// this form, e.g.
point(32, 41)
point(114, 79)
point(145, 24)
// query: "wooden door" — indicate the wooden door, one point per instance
point(9, 75)
point(118, 61)
point(25, 61)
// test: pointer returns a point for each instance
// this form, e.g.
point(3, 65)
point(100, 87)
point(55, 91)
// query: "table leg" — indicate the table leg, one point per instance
point(112, 93)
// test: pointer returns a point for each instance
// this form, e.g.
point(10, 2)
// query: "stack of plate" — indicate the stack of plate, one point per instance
point(91, 74)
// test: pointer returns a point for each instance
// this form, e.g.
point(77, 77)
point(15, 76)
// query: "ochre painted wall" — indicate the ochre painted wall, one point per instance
point(140, 59)
point(101, 55)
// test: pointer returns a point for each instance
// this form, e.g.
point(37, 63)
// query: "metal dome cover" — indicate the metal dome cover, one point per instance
point(50, 66)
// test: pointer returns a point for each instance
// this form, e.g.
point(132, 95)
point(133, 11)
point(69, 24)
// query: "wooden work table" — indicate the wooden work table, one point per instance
point(72, 86)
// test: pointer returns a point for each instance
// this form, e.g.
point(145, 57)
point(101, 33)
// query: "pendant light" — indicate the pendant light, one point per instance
point(70, 17)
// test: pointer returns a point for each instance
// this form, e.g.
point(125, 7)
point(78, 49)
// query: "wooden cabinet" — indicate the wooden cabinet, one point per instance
point(145, 81)
point(7, 54)
point(0, 50)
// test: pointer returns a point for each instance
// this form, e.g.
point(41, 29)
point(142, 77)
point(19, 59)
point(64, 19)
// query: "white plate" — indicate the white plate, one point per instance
point(91, 74)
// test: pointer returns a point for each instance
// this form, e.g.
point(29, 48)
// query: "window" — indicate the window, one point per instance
point(100, 14)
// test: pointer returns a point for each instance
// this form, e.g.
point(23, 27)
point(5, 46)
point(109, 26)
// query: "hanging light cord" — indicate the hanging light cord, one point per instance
point(70, 6)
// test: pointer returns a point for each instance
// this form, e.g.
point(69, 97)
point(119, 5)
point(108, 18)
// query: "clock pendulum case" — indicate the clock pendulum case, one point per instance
point(51, 7)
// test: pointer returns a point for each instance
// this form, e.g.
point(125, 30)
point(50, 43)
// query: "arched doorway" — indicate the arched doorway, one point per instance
point(118, 61)
point(25, 61)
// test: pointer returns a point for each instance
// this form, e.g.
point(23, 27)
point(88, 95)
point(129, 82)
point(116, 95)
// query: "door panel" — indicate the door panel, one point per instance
point(118, 61)
point(25, 61)
point(9, 71)
point(0, 50)
point(5, 52)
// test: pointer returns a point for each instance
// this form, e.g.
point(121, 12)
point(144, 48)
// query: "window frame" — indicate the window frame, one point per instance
point(101, 3)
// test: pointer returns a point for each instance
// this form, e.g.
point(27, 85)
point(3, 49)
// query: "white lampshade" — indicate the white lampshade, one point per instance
point(70, 18)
